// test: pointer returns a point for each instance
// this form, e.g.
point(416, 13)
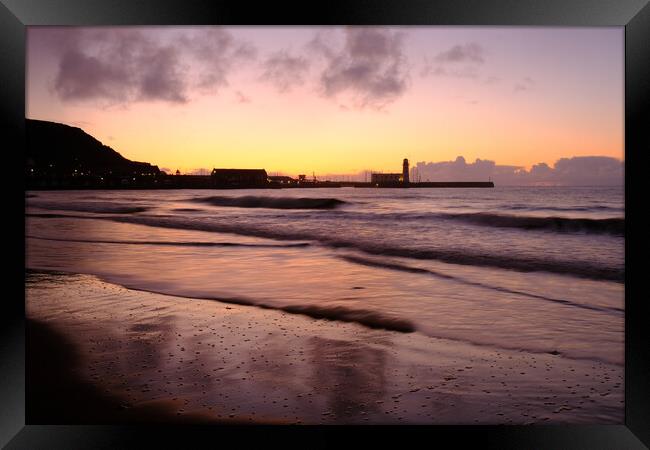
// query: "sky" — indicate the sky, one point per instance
point(337, 100)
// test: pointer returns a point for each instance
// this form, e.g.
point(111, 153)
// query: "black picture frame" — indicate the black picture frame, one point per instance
point(634, 15)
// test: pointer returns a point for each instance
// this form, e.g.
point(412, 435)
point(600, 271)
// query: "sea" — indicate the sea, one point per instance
point(533, 269)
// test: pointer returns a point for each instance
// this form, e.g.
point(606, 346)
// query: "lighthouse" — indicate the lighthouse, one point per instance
point(405, 171)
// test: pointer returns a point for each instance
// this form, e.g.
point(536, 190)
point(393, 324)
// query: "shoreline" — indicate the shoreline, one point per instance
point(101, 353)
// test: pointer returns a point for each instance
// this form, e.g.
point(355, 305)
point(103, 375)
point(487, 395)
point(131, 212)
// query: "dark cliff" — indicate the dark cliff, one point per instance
point(54, 149)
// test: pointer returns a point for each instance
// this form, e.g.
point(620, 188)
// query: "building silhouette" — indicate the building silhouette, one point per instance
point(405, 171)
point(239, 177)
point(397, 179)
point(282, 180)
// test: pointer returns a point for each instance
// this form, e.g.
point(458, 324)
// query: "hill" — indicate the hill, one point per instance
point(55, 149)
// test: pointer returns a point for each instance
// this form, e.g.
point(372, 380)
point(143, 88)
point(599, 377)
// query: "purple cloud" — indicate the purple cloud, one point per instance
point(575, 171)
point(217, 52)
point(81, 77)
point(468, 53)
point(457, 72)
point(460, 61)
point(284, 70)
point(161, 77)
point(119, 65)
point(370, 66)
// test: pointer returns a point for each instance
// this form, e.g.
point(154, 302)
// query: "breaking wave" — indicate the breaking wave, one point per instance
point(272, 202)
point(561, 224)
point(404, 268)
point(612, 226)
point(582, 269)
point(516, 207)
point(94, 207)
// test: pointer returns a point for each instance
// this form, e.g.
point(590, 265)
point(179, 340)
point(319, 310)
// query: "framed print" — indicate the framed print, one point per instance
point(278, 223)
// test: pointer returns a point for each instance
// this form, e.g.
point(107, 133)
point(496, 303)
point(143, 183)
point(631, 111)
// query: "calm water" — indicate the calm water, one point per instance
point(532, 269)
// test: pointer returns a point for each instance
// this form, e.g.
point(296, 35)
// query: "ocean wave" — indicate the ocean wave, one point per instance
point(561, 208)
point(581, 269)
point(174, 243)
point(272, 202)
point(95, 207)
point(404, 268)
point(367, 318)
point(612, 225)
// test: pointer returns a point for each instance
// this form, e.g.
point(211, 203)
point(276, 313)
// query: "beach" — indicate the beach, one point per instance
point(179, 307)
point(162, 359)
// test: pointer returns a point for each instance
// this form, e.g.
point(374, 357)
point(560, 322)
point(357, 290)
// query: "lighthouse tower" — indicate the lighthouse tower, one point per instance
point(405, 171)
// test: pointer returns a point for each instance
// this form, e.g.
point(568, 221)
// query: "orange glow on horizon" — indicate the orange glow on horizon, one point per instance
point(435, 119)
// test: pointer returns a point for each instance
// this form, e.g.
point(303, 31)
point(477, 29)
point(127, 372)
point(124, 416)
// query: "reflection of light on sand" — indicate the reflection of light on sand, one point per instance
point(244, 362)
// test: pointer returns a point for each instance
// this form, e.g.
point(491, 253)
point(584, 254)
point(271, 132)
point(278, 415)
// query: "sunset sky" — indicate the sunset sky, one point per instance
point(333, 99)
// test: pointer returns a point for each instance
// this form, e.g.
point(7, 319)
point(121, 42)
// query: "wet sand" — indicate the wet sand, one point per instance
point(58, 394)
point(100, 353)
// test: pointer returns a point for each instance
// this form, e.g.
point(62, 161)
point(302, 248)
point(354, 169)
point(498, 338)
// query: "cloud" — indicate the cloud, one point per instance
point(117, 67)
point(122, 65)
point(589, 170)
point(217, 52)
point(284, 70)
point(370, 66)
point(456, 72)
point(468, 53)
point(575, 171)
point(459, 61)
point(161, 78)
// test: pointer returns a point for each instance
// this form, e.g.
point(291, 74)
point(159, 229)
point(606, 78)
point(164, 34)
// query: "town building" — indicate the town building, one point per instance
point(386, 178)
point(379, 179)
point(239, 177)
point(282, 179)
